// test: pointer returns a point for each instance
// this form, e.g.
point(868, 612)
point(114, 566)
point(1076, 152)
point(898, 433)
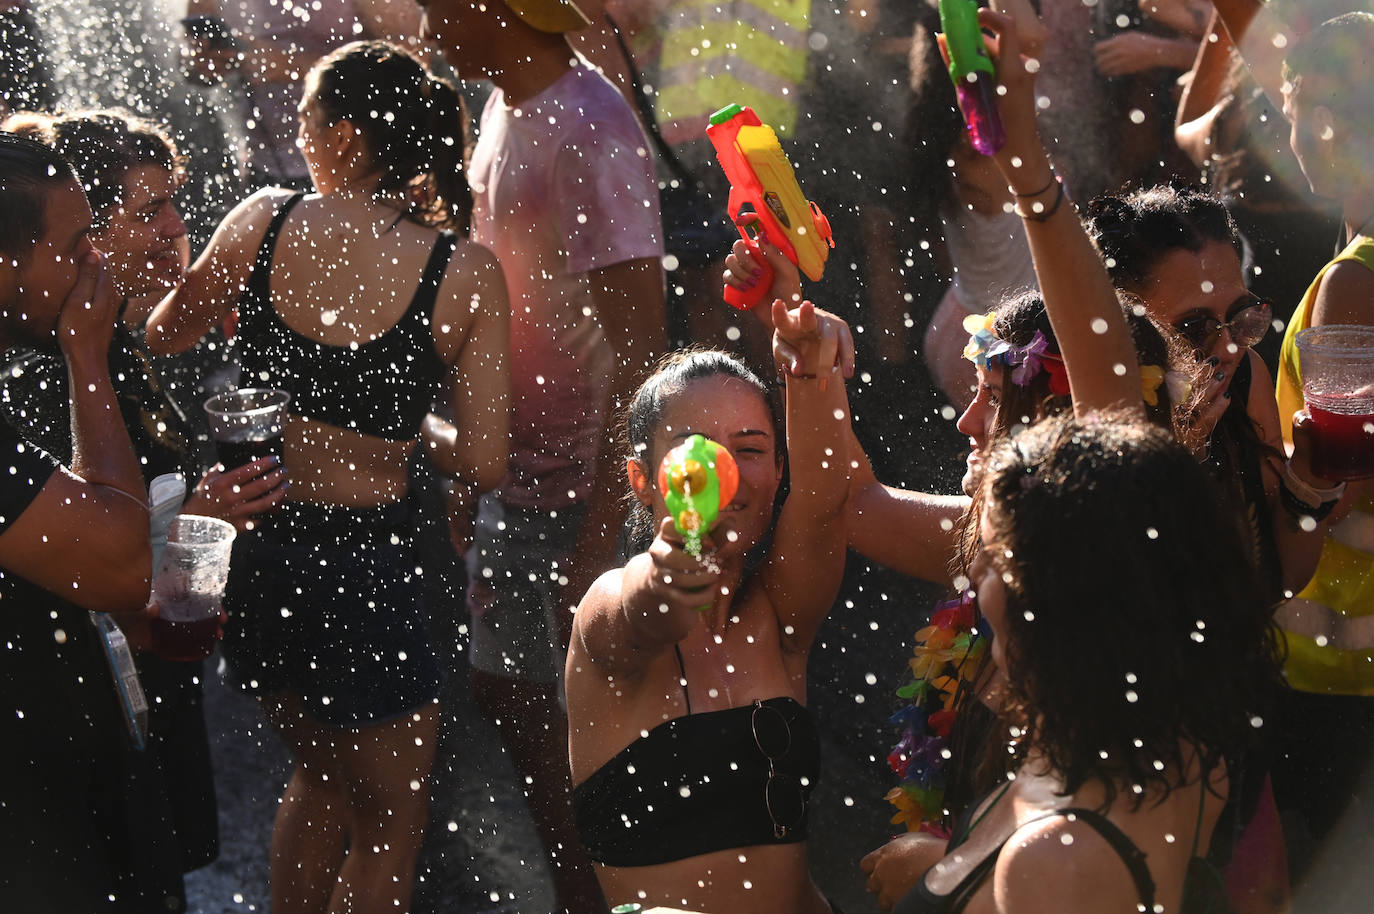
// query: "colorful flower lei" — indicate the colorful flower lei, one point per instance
point(945, 657)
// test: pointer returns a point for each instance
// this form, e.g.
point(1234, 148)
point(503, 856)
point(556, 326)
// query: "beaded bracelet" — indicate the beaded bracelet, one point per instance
point(141, 502)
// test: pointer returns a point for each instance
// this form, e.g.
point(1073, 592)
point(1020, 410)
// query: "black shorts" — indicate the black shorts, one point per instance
point(324, 603)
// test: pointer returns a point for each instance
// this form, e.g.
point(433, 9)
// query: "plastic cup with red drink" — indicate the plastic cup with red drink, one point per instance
point(247, 424)
point(1338, 386)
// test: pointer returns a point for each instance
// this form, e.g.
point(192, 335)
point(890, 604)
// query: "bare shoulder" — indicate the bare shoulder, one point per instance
point(1059, 864)
point(597, 622)
point(472, 293)
point(246, 223)
point(472, 267)
point(1346, 295)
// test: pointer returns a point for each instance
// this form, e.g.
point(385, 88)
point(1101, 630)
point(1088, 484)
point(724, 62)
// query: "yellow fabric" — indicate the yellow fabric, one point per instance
point(752, 52)
point(1344, 580)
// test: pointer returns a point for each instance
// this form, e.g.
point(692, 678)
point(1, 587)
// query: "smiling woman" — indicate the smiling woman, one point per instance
point(692, 749)
point(131, 172)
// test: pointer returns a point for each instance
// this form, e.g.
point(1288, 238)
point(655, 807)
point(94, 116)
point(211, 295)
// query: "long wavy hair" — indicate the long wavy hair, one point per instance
point(1136, 630)
point(1016, 321)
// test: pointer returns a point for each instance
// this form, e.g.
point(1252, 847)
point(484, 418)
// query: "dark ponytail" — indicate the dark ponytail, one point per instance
point(413, 124)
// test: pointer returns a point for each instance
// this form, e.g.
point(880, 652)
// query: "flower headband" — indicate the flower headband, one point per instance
point(1176, 382)
point(986, 348)
point(983, 344)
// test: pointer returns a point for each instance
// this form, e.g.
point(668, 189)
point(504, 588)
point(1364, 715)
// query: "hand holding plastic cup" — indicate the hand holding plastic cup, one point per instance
point(189, 586)
point(247, 424)
point(1338, 384)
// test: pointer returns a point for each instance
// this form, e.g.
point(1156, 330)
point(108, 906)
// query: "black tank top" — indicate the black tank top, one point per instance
point(382, 387)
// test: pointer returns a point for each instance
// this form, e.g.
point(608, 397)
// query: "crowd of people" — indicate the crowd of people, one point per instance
point(1151, 687)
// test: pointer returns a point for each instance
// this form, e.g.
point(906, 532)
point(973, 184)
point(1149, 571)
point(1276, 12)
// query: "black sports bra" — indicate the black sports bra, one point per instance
point(740, 777)
point(383, 387)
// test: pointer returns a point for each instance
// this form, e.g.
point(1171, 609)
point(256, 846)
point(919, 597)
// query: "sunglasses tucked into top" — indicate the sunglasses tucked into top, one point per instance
point(1247, 321)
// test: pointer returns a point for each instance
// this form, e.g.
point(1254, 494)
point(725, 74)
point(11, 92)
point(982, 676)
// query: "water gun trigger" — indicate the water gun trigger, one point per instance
point(763, 181)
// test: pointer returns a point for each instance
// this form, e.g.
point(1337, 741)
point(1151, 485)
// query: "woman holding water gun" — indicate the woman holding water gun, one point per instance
point(692, 749)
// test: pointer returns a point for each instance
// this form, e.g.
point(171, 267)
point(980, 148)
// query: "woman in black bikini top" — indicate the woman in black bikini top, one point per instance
point(692, 749)
point(1131, 690)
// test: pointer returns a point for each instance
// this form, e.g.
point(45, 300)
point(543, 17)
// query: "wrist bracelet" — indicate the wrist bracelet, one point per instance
point(1299, 508)
point(1307, 493)
point(1053, 208)
point(1053, 178)
point(141, 502)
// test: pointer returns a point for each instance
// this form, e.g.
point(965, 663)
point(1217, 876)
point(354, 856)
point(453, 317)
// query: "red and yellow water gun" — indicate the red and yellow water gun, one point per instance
point(762, 182)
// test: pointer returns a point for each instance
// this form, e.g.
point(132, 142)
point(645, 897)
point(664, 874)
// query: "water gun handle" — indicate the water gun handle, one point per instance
point(973, 74)
point(746, 299)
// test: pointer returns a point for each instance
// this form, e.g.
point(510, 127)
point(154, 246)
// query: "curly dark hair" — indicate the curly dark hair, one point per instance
point(413, 124)
point(641, 418)
point(1133, 231)
point(1136, 631)
point(102, 145)
point(1016, 321)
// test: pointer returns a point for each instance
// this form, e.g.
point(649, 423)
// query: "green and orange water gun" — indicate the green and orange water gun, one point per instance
point(697, 478)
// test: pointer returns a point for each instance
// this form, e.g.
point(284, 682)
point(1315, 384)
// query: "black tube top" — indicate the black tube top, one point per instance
point(701, 783)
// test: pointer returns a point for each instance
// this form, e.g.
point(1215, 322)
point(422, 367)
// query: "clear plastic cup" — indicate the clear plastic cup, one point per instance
point(1338, 384)
point(247, 424)
point(189, 586)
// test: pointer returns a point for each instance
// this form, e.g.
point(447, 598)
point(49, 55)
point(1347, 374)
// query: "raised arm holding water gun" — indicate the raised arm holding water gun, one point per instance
point(766, 202)
point(677, 657)
point(1079, 296)
point(914, 532)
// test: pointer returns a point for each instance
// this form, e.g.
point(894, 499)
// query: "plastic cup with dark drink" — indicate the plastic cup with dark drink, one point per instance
point(189, 586)
point(247, 424)
point(1338, 384)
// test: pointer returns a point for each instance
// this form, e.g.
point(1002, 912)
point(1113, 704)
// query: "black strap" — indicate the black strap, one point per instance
point(263, 264)
point(685, 695)
point(646, 112)
point(959, 896)
point(1132, 856)
point(435, 267)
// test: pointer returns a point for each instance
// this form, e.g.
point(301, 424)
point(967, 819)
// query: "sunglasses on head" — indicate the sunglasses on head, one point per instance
point(1247, 323)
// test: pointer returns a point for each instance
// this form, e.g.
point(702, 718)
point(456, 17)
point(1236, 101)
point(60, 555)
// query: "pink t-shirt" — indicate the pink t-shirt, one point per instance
point(563, 184)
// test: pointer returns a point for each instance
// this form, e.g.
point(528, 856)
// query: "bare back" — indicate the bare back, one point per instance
point(344, 276)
